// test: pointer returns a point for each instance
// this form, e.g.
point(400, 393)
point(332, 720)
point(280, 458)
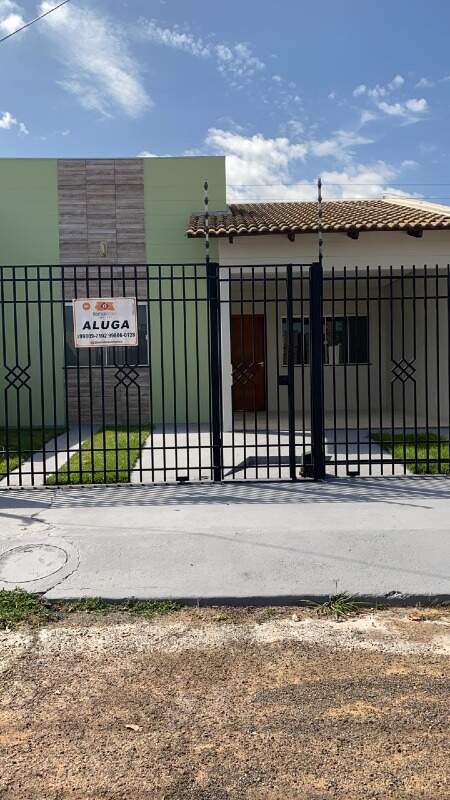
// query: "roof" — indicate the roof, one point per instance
point(337, 215)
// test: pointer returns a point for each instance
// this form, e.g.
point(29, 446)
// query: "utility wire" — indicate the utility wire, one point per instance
point(334, 183)
point(36, 19)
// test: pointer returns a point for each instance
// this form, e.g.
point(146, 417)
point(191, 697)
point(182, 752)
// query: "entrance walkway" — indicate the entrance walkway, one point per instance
point(180, 453)
point(54, 455)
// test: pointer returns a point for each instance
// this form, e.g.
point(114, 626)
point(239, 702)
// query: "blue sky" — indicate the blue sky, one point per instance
point(356, 91)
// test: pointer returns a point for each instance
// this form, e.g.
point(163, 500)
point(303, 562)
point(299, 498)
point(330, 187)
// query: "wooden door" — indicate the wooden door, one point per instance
point(248, 362)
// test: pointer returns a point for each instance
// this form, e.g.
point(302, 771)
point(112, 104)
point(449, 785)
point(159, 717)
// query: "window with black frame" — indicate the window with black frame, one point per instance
point(300, 327)
point(345, 340)
point(107, 356)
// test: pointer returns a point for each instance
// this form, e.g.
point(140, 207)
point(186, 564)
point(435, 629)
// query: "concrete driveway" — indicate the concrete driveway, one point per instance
point(241, 543)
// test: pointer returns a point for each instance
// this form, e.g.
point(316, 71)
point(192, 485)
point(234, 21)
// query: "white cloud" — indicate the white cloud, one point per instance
point(179, 40)
point(424, 83)
point(295, 127)
point(11, 23)
point(260, 168)
point(409, 163)
point(396, 83)
point(255, 163)
point(339, 146)
point(417, 106)
point(377, 92)
point(8, 121)
point(367, 116)
point(392, 109)
point(410, 108)
point(236, 61)
point(360, 181)
point(10, 17)
point(103, 74)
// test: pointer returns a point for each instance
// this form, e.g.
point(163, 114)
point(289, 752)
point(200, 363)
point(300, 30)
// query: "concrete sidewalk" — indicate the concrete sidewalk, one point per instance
point(384, 538)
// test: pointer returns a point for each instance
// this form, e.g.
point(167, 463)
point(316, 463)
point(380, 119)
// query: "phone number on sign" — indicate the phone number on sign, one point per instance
point(124, 335)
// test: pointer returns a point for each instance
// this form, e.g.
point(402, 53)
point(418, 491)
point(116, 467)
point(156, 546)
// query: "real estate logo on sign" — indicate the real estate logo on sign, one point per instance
point(105, 321)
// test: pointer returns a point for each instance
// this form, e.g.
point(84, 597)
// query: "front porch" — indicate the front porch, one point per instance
point(385, 349)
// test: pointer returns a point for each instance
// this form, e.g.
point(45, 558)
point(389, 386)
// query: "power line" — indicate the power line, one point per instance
point(333, 183)
point(36, 19)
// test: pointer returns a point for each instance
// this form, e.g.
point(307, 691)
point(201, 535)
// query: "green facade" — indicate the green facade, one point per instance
point(178, 314)
point(29, 236)
point(28, 211)
point(31, 333)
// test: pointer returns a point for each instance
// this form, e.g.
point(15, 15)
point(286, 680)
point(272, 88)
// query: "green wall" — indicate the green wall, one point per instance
point(178, 312)
point(28, 211)
point(33, 325)
point(173, 188)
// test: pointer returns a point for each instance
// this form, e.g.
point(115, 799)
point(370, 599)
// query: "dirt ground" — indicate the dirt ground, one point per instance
point(223, 705)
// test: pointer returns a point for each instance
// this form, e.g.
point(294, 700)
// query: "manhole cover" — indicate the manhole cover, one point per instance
point(31, 562)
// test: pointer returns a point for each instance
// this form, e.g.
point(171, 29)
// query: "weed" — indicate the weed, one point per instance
point(90, 605)
point(17, 606)
point(151, 608)
point(142, 608)
point(339, 605)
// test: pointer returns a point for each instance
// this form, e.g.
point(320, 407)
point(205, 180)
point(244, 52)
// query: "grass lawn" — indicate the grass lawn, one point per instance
point(409, 447)
point(117, 453)
point(24, 440)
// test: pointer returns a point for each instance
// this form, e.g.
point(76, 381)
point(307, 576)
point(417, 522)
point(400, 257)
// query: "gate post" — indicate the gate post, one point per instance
point(316, 371)
point(213, 295)
point(290, 371)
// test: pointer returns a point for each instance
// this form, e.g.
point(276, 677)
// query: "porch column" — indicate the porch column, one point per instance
point(225, 327)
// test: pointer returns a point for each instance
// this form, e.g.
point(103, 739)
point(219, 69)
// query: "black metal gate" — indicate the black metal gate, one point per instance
point(249, 372)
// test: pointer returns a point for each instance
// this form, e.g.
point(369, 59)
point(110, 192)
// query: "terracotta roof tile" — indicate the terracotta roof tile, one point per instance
point(301, 217)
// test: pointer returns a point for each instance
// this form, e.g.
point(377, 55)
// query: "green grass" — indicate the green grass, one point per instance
point(89, 605)
point(141, 608)
point(17, 606)
point(108, 457)
point(25, 441)
point(151, 608)
point(411, 448)
point(339, 605)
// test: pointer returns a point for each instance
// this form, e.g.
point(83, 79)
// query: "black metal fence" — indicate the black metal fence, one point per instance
point(239, 373)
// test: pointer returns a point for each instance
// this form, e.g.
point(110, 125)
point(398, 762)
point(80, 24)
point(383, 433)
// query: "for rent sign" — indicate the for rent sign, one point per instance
point(101, 321)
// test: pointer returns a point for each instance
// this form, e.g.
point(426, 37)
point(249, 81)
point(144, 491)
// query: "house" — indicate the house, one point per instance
point(385, 295)
point(253, 348)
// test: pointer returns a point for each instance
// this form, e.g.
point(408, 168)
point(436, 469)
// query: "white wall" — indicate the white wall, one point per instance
point(373, 249)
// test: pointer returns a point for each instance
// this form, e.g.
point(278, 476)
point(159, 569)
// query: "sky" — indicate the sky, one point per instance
point(357, 92)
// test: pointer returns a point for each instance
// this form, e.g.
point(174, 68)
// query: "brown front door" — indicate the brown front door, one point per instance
point(247, 359)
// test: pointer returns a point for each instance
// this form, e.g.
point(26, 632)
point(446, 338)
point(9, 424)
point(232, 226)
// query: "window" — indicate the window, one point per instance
point(112, 356)
point(301, 340)
point(345, 340)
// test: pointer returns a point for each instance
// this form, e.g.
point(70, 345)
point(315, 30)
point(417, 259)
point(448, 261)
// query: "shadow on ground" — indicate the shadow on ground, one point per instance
point(397, 490)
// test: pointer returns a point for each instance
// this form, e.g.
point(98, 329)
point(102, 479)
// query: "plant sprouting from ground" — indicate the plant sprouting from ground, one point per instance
point(17, 606)
point(339, 606)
